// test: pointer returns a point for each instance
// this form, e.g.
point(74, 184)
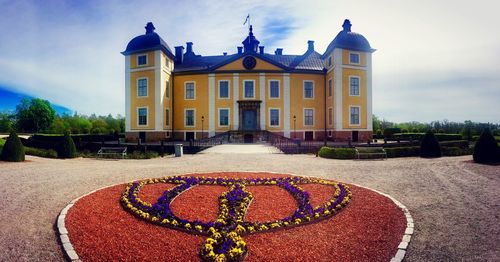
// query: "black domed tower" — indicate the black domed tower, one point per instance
point(250, 44)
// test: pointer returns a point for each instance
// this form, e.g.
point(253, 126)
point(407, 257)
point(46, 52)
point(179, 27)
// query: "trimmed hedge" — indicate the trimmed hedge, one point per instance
point(455, 151)
point(337, 153)
point(486, 150)
point(402, 151)
point(40, 152)
point(429, 147)
point(419, 136)
point(140, 155)
point(13, 149)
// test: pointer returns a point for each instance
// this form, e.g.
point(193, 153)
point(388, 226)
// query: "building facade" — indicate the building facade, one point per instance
point(182, 95)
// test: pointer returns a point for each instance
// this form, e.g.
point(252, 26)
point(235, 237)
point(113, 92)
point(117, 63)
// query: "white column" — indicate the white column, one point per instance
point(337, 87)
point(236, 97)
point(263, 110)
point(286, 106)
point(211, 105)
point(127, 94)
point(369, 100)
point(158, 92)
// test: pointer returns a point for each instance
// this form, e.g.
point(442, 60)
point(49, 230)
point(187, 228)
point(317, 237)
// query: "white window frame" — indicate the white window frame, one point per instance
point(330, 87)
point(279, 87)
point(304, 89)
point(167, 89)
point(330, 117)
point(304, 115)
point(194, 117)
point(147, 87)
point(359, 116)
point(167, 114)
point(279, 116)
point(244, 93)
point(147, 115)
point(359, 58)
point(137, 59)
point(228, 117)
point(194, 90)
point(359, 85)
point(228, 89)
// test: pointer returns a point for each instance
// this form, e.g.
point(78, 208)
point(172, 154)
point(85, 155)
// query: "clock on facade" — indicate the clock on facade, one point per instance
point(249, 62)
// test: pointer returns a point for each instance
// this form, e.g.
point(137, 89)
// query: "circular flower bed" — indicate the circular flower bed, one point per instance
point(235, 217)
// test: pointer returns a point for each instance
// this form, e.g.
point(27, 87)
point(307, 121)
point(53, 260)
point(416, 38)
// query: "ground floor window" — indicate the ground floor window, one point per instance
point(308, 117)
point(142, 116)
point(189, 118)
point(330, 116)
point(223, 117)
point(354, 115)
point(167, 117)
point(274, 117)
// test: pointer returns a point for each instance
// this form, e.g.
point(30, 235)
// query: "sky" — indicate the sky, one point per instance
point(435, 60)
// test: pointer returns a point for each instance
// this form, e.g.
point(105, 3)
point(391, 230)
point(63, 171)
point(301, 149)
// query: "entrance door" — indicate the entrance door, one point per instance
point(354, 136)
point(308, 136)
point(249, 120)
point(142, 136)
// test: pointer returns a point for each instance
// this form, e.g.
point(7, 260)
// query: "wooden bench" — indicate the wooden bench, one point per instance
point(112, 151)
point(370, 151)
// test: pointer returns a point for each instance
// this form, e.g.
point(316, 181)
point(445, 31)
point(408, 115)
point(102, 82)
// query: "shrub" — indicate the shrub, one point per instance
point(140, 155)
point(455, 151)
point(337, 153)
point(13, 149)
point(486, 150)
point(402, 151)
point(388, 132)
point(464, 144)
point(41, 152)
point(67, 147)
point(429, 147)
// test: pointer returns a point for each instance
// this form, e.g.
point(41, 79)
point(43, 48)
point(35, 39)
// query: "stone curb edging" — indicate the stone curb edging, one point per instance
point(403, 245)
point(73, 256)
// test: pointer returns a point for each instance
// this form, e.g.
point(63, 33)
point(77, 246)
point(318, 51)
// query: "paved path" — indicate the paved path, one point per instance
point(455, 203)
point(242, 149)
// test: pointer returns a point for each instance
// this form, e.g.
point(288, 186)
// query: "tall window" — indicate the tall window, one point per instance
point(223, 89)
point(249, 89)
point(142, 116)
point(308, 89)
point(329, 61)
point(354, 115)
point(353, 58)
point(330, 87)
point(308, 117)
point(167, 89)
point(167, 117)
point(142, 60)
point(274, 89)
point(330, 116)
point(142, 87)
point(274, 117)
point(189, 120)
point(354, 86)
point(223, 117)
point(190, 92)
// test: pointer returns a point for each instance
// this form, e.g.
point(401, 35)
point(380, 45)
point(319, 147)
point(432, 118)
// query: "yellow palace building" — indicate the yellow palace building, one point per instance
point(182, 95)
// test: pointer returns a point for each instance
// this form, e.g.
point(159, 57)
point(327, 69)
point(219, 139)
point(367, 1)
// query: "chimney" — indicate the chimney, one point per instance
point(189, 47)
point(310, 46)
point(178, 54)
point(240, 49)
point(261, 50)
point(279, 51)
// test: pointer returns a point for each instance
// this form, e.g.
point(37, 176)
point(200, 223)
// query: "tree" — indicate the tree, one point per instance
point(34, 115)
point(429, 147)
point(6, 123)
point(486, 150)
point(13, 150)
point(376, 124)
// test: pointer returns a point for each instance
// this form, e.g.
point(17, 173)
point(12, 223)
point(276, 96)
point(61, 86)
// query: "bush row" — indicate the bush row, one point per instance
point(409, 151)
point(337, 153)
point(418, 136)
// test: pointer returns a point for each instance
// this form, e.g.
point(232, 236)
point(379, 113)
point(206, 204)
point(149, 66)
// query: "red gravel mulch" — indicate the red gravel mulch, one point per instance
point(369, 228)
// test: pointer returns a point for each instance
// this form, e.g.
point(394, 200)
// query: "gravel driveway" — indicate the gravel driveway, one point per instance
point(455, 203)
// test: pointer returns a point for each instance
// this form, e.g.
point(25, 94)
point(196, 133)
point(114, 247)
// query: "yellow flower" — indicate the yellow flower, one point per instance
point(221, 258)
point(209, 247)
point(198, 227)
point(188, 226)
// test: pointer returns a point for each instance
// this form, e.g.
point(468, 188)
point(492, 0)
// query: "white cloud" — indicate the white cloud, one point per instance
point(69, 52)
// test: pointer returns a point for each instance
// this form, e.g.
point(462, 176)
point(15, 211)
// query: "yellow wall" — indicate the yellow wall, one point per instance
point(238, 65)
point(200, 103)
point(151, 59)
point(345, 57)
point(223, 103)
point(142, 101)
point(353, 100)
point(330, 99)
point(298, 103)
point(274, 103)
